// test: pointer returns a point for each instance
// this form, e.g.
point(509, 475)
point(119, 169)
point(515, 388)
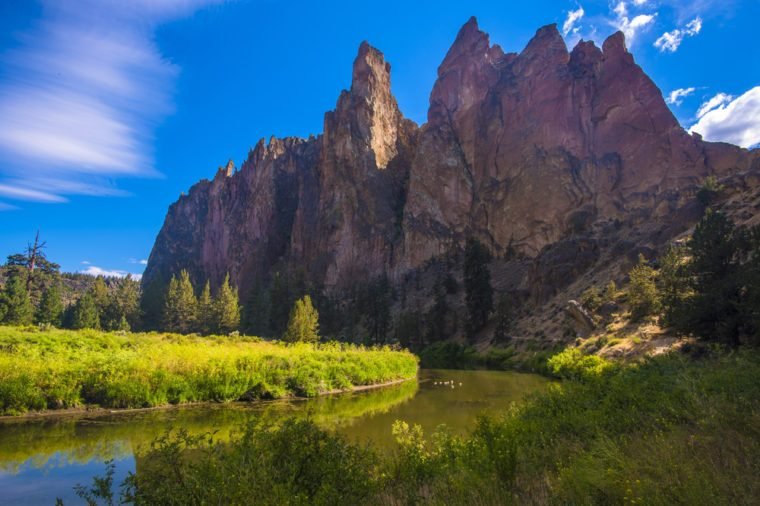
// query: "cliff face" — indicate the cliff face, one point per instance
point(520, 150)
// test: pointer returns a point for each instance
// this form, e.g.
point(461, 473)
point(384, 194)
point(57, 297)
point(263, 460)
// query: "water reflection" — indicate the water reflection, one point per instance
point(43, 459)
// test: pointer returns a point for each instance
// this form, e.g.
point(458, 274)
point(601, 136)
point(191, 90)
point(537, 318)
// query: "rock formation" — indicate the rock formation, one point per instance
point(523, 151)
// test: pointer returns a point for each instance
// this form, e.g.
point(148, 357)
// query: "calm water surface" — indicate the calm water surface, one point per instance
point(44, 459)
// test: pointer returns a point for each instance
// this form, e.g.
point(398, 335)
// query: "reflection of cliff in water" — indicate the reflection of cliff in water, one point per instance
point(58, 441)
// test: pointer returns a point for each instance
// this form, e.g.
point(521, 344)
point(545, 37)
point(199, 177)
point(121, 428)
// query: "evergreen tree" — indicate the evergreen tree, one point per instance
point(437, 316)
point(226, 308)
point(257, 312)
point(503, 319)
point(714, 310)
point(281, 299)
point(303, 324)
point(642, 293)
point(84, 314)
point(50, 310)
point(122, 310)
point(100, 295)
point(180, 310)
point(205, 321)
point(377, 309)
point(673, 286)
point(408, 331)
point(152, 303)
point(477, 285)
point(18, 308)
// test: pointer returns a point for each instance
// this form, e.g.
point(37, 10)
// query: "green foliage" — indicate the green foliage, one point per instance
point(50, 310)
point(437, 317)
point(226, 309)
point(152, 303)
point(714, 310)
point(62, 368)
point(709, 191)
point(205, 320)
point(122, 311)
point(670, 430)
point(303, 325)
point(376, 307)
point(477, 285)
point(504, 319)
point(408, 330)
point(256, 312)
point(591, 299)
point(642, 292)
point(610, 292)
point(84, 314)
point(181, 308)
point(573, 364)
point(15, 300)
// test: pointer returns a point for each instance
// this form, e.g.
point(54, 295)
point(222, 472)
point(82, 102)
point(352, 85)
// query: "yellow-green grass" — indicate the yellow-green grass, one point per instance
point(53, 369)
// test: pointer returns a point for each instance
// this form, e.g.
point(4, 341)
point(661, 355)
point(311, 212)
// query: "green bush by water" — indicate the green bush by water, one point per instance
point(54, 369)
point(672, 430)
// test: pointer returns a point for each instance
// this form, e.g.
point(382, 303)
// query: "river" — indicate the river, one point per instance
point(42, 459)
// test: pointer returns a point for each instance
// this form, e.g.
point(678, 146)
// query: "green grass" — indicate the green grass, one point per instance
point(53, 369)
point(670, 430)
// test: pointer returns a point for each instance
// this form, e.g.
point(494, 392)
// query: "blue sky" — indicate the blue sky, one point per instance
point(110, 109)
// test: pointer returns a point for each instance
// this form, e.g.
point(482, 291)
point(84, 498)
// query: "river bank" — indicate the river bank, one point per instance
point(50, 370)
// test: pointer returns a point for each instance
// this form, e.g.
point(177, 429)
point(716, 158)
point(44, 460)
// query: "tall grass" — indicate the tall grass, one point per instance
point(672, 430)
point(54, 369)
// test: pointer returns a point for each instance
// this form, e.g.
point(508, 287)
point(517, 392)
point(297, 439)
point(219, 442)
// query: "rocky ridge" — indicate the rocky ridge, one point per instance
point(538, 154)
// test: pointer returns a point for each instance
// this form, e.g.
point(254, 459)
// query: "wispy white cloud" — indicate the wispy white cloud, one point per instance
point(85, 262)
point(136, 261)
point(7, 207)
point(572, 19)
point(728, 119)
point(83, 92)
point(630, 26)
point(109, 273)
point(677, 96)
point(670, 41)
point(716, 101)
point(143, 262)
point(22, 193)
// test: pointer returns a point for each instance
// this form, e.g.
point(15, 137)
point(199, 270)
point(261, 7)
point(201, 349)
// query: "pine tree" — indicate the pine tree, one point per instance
point(377, 309)
point(642, 293)
point(503, 319)
point(100, 295)
point(180, 310)
point(226, 308)
point(477, 285)
point(303, 325)
point(205, 322)
point(50, 310)
point(714, 311)
point(85, 313)
point(122, 309)
point(152, 303)
point(257, 311)
point(18, 308)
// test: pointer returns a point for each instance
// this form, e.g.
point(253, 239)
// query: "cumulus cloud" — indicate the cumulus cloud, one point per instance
point(97, 271)
point(84, 89)
point(670, 41)
point(572, 18)
point(677, 96)
point(728, 119)
point(630, 26)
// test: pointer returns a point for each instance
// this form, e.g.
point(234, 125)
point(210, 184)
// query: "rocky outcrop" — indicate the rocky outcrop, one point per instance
point(525, 151)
